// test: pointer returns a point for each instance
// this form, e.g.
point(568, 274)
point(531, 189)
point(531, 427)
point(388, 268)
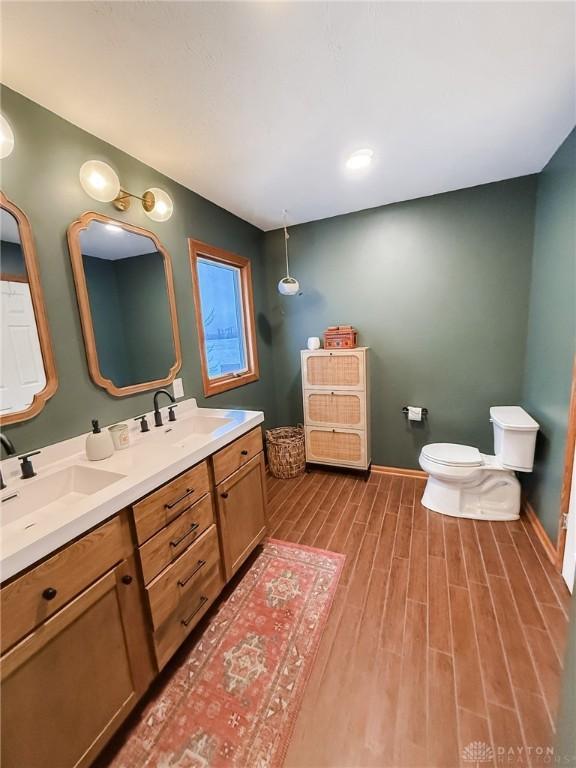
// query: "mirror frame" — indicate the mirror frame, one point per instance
point(83, 300)
point(37, 296)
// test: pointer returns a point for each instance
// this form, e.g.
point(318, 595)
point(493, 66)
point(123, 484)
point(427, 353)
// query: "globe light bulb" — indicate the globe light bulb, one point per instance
point(99, 180)
point(163, 205)
point(6, 138)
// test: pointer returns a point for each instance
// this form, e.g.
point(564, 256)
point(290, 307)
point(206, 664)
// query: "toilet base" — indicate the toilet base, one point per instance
point(495, 497)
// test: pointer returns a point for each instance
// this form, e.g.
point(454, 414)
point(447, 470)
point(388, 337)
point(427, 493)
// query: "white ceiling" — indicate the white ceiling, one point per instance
point(9, 232)
point(110, 242)
point(256, 105)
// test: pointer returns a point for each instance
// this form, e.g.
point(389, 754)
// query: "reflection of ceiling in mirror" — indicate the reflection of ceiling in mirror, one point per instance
point(8, 227)
point(111, 242)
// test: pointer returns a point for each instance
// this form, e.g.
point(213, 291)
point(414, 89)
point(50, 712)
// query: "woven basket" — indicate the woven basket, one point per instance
point(286, 453)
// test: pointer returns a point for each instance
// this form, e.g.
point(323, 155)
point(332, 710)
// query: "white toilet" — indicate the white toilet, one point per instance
point(463, 482)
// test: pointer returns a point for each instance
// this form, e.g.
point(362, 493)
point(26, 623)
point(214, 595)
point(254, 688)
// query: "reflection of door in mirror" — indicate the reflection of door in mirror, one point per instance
point(124, 276)
point(27, 378)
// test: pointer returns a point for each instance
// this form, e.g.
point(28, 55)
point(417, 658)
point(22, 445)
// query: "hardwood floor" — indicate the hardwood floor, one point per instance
point(443, 632)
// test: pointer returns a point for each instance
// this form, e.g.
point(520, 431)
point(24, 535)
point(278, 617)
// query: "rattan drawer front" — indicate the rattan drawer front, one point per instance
point(190, 610)
point(183, 577)
point(334, 370)
point(235, 455)
point(344, 447)
point(170, 500)
point(169, 543)
point(342, 409)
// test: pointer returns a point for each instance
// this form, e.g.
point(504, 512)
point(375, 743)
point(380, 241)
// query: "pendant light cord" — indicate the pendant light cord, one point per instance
point(286, 236)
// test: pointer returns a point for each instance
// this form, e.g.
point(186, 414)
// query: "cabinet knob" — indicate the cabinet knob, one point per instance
point(127, 579)
point(49, 593)
point(244, 452)
point(224, 495)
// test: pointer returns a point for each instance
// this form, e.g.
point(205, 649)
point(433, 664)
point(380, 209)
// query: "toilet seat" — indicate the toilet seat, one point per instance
point(453, 455)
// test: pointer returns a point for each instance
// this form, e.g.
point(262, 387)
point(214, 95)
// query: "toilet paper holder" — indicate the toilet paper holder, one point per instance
point(405, 411)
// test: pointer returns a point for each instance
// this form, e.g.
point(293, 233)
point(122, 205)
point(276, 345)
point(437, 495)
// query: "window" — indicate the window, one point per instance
point(225, 317)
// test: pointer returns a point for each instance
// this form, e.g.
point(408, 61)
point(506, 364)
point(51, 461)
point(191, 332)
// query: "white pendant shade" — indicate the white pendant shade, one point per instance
point(288, 286)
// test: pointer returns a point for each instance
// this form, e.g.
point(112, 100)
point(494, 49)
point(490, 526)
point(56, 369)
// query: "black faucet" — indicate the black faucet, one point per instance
point(10, 450)
point(157, 415)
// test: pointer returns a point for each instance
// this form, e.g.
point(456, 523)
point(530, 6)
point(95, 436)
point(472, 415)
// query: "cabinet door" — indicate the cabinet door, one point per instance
point(242, 513)
point(69, 684)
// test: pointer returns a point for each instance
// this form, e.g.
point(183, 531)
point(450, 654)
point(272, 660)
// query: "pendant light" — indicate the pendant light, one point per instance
point(288, 286)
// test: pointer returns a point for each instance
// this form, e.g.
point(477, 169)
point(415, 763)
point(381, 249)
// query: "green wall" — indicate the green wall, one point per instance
point(552, 329)
point(41, 177)
point(131, 317)
point(146, 316)
point(438, 289)
point(12, 258)
point(106, 311)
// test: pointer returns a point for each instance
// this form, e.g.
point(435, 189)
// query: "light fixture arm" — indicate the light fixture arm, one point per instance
point(122, 201)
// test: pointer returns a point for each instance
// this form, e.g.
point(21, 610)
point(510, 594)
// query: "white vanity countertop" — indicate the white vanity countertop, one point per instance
point(35, 526)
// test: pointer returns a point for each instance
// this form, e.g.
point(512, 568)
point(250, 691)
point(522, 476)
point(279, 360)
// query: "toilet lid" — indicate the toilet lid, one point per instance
point(453, 455)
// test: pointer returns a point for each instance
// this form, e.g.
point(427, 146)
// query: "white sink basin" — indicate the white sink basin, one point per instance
point(54, 493)
point(198, 429)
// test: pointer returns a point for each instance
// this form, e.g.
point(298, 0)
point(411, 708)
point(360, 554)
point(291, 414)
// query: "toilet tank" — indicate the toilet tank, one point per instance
point(514, 437)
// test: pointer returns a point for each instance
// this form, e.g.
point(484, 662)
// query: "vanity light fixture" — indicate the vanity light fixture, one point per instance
point(288, 286)
point(6, 137)
point(163, 205)
point(101, 182)
point(359, 160)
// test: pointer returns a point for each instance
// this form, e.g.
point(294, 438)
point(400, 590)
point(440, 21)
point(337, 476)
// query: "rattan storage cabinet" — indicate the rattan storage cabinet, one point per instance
point(336, 407)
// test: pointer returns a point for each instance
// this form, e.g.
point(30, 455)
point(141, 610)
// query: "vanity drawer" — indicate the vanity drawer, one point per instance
point(231, 458)
point(169, 543)
point(190, 610)
point(164, 505)
point(184, 578)
point(30, 599)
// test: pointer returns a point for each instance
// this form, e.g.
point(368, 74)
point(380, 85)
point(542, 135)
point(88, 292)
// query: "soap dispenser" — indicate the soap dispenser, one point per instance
point(99, 444)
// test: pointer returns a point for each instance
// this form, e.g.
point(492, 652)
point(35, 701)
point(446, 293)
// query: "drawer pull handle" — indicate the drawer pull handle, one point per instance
point(187, 621)
point(244, 452)
point(127, 579)
point(178, 541)
point(224, 495)
point(174, 503)
point(183, 582)
point(49, 593)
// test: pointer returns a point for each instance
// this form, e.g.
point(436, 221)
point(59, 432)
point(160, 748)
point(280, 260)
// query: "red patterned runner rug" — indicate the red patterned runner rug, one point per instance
point(233, 700)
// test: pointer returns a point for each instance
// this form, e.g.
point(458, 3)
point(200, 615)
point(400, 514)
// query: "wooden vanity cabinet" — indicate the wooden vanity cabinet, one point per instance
point(86, 630)
point(68, 685)
point(241, 506)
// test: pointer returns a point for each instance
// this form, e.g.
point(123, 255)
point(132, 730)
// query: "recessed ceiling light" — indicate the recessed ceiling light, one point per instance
point(359, 160)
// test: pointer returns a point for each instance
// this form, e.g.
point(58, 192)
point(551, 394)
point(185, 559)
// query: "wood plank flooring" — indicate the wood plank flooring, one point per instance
point(444, 632)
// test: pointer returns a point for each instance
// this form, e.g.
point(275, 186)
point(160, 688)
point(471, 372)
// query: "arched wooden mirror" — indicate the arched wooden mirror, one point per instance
point(28, 371)
point(125, 293)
